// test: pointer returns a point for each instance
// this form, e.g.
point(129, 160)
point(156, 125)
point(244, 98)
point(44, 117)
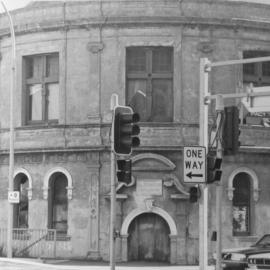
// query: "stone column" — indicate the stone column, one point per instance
point(173, 247)
point(124, 248)
point(94, 216)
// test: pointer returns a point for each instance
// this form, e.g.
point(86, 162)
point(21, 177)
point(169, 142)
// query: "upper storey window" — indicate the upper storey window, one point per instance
point(41, 84)
point(257, 74)
point(150, 70)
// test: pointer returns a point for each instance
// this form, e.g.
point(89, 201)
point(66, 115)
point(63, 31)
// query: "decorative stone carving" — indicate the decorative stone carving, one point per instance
point(170, 165)
point(94, 212)
point(69, 192)
point(121, 184)
point(29, 193)
point(149, 204)
point(95, 47)
point(45, 192)
point(230, 193)
point(205, 47)
point(170, 180)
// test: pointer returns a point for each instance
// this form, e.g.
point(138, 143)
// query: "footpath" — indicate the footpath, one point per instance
point(25, 263)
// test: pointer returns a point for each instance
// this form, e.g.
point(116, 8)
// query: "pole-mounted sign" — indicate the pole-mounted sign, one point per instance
point(194, 164)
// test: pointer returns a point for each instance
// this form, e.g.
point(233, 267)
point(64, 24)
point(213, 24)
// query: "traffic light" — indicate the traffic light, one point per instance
point(231, 131)
point(125, 130)
point(213, 169)
point(194, 194)
point(124, 171)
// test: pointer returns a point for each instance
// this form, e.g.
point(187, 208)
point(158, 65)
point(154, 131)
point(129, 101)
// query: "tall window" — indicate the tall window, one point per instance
point(41, 83)
point(150, 70)
point(241, 205)
point(58, 204)
point(21, 209)
point(256, 73)
point(259, 75)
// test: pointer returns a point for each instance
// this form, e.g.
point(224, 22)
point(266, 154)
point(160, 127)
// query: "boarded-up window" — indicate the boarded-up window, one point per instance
point(41, 84)
point(241, 205)
point(150, 70)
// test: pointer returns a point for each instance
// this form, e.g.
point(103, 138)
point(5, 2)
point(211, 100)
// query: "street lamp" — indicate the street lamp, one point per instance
point(11, 139)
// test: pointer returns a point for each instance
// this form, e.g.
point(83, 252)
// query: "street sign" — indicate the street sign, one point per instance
point(194, 164)
point(14, 197)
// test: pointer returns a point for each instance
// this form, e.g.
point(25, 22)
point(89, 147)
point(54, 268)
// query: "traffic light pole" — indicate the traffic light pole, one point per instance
point(203, 140)
point(114, 103)
point(219, 151)
point(205, 99)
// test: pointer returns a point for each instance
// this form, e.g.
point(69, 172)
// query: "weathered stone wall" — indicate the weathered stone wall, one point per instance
point(91, 38)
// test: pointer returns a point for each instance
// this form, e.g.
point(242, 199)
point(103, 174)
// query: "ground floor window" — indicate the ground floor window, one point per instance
point(241, 205)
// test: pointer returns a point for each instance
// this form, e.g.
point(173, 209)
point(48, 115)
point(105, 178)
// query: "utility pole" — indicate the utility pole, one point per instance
point(11, 139)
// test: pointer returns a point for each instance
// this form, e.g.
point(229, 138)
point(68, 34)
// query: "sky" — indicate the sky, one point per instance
point(13, 4)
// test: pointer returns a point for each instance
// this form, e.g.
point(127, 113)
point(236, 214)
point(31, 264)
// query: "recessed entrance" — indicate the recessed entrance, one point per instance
point(149, 239)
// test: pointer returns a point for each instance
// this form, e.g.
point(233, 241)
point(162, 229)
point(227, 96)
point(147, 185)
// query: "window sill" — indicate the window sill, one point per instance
point(246, 238)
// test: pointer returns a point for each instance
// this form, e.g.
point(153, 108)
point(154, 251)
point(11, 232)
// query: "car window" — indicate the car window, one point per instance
point(264, 241)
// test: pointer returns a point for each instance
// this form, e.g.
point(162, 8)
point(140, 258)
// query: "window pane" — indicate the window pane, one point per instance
point(53, 100)
point(241, 187)
point(35, 102)
point(52, 65)
point(60, 203)
point(162, 105)
point(249, 69)
point(240, 219)
point(162, 60)
point(29, 67)
point(266, 68)
point(137, 102)
point(136, 60)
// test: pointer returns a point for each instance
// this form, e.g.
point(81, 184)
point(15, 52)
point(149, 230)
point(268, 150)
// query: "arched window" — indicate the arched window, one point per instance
point(20, 213)
point(241, 204)
point(58, 204)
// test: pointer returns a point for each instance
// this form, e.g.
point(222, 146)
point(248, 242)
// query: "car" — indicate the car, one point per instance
point(237, 258)
point(259, 261)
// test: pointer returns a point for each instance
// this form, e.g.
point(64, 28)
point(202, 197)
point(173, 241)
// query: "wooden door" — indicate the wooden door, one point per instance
point(148, 239)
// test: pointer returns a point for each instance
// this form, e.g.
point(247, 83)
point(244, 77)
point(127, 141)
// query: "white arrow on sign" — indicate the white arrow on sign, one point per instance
point(194, 164)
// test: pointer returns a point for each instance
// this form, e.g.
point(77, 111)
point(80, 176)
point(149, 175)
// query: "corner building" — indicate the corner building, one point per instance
point(70, 58)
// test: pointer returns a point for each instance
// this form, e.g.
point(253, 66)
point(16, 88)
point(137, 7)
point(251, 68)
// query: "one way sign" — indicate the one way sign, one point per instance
point(194, 166)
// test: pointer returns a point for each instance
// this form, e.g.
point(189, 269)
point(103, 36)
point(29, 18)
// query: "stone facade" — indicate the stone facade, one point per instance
point(91, 38)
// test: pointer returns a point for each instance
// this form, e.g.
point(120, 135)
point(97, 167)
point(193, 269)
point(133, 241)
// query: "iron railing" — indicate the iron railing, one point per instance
point(36, 243)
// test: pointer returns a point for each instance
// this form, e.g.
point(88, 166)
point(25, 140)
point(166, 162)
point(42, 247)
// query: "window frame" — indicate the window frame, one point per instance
point(149, 75)
point(44, 81)
point(243, 204)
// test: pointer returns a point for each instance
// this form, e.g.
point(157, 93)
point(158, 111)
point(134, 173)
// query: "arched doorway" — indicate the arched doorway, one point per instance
point(148, 238)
